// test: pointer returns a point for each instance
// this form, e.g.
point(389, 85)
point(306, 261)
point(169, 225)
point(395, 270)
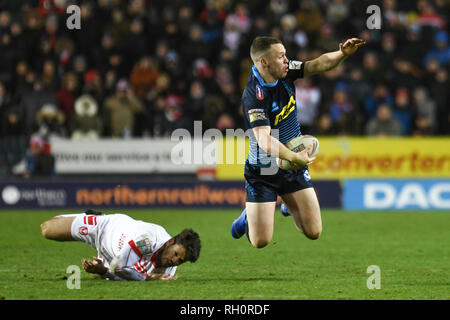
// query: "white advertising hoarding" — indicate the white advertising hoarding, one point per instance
point(130, 156)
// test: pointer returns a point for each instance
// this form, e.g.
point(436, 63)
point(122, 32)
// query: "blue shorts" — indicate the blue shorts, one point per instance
point(266, 188)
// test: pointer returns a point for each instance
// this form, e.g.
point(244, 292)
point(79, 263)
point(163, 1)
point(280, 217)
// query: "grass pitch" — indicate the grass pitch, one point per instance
point(410, 248)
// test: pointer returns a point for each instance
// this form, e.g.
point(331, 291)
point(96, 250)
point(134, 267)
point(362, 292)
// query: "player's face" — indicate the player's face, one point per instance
point(277, 62)
point(173, 255)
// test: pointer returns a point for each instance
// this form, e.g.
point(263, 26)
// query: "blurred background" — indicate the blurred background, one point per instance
point(87, 115)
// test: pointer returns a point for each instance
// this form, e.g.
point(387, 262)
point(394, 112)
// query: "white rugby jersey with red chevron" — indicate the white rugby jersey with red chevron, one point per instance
point(124, 244)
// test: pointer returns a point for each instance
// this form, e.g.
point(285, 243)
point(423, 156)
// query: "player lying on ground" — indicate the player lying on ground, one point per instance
point(128, 249)
point(268, 103)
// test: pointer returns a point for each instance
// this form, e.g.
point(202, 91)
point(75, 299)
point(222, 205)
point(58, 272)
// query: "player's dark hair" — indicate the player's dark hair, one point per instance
point(191, 241)
point(93, 212)
point(262, 44)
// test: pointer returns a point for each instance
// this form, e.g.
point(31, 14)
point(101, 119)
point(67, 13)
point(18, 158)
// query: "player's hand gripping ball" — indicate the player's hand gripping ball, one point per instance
point(298, 144)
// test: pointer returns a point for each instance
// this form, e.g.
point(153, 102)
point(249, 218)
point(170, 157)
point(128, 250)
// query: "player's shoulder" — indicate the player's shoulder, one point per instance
point(254, 92)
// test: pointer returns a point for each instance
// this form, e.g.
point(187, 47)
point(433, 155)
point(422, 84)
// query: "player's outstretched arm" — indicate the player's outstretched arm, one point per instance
point(330, 60)
point(161, 276)
point(94, 266)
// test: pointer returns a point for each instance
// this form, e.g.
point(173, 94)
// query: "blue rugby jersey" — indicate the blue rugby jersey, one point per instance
point(271, 104)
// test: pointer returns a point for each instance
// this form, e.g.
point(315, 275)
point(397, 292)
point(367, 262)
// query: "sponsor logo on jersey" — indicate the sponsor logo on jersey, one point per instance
point(83, 231)
point(306, 175)
point(275, 106)
point(259, 92)
point(286, 111)
point(256, 114)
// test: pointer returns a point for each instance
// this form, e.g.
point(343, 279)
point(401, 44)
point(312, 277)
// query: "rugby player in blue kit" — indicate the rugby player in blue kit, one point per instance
point(269, 109)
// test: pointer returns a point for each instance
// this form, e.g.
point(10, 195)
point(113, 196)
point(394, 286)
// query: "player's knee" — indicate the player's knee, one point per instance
point(45, 229)
point(314, 234)
point(260, 242)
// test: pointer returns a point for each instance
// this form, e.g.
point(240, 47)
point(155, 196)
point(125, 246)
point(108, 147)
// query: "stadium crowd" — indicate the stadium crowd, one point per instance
point(144, 68)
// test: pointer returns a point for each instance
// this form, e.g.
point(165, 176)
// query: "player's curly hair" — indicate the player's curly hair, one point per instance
point(191, 241)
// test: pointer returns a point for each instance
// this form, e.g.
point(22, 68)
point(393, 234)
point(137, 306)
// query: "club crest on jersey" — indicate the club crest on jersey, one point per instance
point(259, 92)
point(144, 246)
point(83, 231)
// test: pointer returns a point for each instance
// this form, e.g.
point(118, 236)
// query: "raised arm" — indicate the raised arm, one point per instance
point(330, 60)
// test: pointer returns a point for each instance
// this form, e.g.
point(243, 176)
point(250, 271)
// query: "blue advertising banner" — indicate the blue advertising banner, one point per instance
point(391, 194)
point(140, 194)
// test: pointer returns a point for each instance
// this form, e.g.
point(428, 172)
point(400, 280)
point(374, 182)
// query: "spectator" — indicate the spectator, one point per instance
point(374, 72)
point(307, 96)
point(50, 122)
point(214, 107)
point(440, 93)
point(380, 95)
point(288, 25)
point(278, 7)
point(224, 122)
point(7, 56)
point(121, 109)
point(49, 78)
point(88, 36)
point(5, 101)
point(383, 124)
point(86, 124)
point(39, 161)
point(19, 78)
point(93, 85)
point(104, 51)
point(413, 46)
point(340, 105)
point(403, 110)
point(185, 18)
point(119, 25)
point(12, 140)
point(79, 68)
point(358, 88)
point(195, 101)
point(66, 95)
point(309, 18)
point(428, 15)
point(404, 74)
point(143, 76)
point(232, 36)
point(31, 102)
point(327, 41)
point(324, 126)
point(337, 12)
point(136, 44)
point(441, 51)
point(167, 113)
point(388, 49)
point(425, 112)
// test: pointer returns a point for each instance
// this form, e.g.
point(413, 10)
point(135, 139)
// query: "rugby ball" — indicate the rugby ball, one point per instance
point(298, 144)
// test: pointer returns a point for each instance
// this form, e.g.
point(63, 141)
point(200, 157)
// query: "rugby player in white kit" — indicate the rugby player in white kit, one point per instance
point(128, 249)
